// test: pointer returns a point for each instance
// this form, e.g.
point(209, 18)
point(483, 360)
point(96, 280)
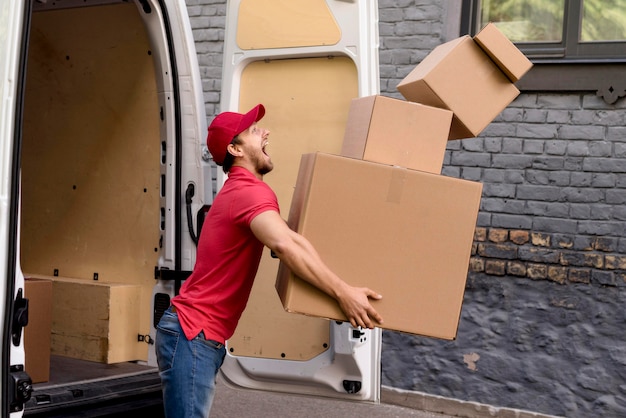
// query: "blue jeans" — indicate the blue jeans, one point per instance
point(188, 369)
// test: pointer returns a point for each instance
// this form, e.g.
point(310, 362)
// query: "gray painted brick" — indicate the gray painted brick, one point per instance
point(604, 180)
point(471, 173)
point(619, 213)
point(600, 149)
point(390, 15)
point(514, 176)
point(472, 144)
point(543, 193)
point(499, 220)
point(425, 12)
point(616, 133)
point(558, 116)
point(607, 165)
point(600, 227)
point(548, 178)
point(548, 163)
point(554, 225)
point(555, 147)
point(602, 212)
point(582, 195)
point(620, 180)
point(619, 149)
point(525, 101)
point(511, 161)
point(574, 163)
point(533, 146)
point(512, 145)
point(511, 114)
point(535, 115)
point(581, 179)
point(555, 209)
point(470, 159)
point(493, 176)
point(499, 190)
point(498, 129)
point(525, 130)
point(581, 132)
point(493, 145)
point(616, 196)
point(578, 148)
point(559, 101)
point(580, 211)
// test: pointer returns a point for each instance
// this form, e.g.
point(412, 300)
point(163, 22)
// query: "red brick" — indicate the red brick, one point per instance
point(495, 267)
point(537, 271)
point(480, 234)
point(498, 235)
point(519, 237)
point(516, 268)
point(539, 239)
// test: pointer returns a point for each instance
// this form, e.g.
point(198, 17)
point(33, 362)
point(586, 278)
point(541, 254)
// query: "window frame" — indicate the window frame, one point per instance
point(567, 66)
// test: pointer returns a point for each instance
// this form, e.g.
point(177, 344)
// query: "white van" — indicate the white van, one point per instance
point(105, 178)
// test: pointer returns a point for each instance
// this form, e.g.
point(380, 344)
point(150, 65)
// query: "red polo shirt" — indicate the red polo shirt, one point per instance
point(214, 296)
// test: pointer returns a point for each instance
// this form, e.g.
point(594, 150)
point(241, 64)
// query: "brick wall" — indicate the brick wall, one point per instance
point(540, 256)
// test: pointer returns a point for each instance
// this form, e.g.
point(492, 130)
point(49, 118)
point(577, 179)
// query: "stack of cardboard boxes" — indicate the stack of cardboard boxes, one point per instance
point(380, 214)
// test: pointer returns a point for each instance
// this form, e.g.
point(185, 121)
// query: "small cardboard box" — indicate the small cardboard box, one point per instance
point(458, 75)
point(404, 233)
point(37, 332)
point(503, 52)
point(397, 132)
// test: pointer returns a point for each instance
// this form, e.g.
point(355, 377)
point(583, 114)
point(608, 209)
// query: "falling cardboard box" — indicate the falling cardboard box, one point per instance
point(503, 52)
point(396, 132)
point(471, 82)
point(404, 233)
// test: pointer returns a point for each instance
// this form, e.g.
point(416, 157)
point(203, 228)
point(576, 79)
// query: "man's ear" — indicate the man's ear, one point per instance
point(234, 150)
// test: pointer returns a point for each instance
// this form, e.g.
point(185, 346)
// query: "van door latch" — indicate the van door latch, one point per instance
point(20, 317)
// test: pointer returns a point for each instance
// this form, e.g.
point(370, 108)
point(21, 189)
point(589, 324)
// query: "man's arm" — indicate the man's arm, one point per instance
point(299, 255)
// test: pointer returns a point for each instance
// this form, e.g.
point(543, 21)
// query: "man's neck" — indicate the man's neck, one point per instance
point(249, 168)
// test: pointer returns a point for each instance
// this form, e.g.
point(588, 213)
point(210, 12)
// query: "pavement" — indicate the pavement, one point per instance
point(241, 403)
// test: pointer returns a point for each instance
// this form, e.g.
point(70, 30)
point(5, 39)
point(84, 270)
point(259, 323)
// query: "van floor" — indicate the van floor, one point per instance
point(65, 370)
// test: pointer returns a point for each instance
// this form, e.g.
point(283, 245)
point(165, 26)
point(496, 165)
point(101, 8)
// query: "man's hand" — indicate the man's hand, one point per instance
point(355, 304)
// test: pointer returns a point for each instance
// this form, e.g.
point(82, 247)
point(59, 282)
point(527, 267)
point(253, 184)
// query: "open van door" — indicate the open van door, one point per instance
point(16, 385)
point(305, 61)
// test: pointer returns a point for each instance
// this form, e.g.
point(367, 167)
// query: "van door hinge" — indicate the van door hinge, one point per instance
point(20, 388)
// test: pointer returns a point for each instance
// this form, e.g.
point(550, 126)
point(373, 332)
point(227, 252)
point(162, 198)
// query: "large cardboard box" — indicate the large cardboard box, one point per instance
point(37, 332)
point(404, 233)
point(396, 132)
point(503, 52)
point(458, 75)
point(96, 321)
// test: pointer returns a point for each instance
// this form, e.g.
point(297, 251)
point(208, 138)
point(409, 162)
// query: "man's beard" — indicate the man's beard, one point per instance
point(263, 166)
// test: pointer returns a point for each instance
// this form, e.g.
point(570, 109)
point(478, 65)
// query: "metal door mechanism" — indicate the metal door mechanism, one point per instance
point(20, 317)
point(20, 388)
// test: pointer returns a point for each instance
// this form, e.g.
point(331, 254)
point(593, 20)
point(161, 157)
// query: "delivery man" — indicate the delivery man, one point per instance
point(243, 219)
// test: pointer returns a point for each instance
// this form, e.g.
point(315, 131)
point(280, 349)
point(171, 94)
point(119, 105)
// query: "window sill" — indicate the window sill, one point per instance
point(605, 79)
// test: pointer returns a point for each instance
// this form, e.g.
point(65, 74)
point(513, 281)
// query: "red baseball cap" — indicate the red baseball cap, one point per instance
point(228, 125)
